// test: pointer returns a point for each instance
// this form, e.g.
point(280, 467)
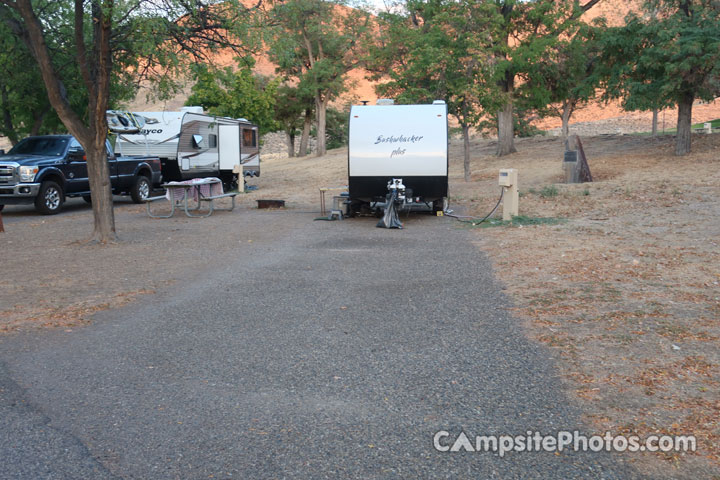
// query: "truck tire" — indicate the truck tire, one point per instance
point(88, 199)
point(141, 189)
point(1, 207)
point(50, 199)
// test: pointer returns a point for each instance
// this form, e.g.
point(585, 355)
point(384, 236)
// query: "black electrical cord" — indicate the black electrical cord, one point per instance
point(474, 221)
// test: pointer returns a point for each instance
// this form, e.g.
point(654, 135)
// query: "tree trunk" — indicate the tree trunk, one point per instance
point(655, 122)
point(684, 125)
point(321, 102)
point(290, 137)
point(305, 137)
point(100, 188)
point(38, 123)
point(98, 170)
point(567, 112)
point(506, 125)
point(96, 72)
point(7, 119)
point(466, 151)
point(506, 131)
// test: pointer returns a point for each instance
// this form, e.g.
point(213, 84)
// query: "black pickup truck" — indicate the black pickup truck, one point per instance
point(45, 169)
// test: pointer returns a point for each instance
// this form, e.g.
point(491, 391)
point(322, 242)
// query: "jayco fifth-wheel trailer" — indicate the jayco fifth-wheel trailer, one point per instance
point(392, 146)
point(191, 144)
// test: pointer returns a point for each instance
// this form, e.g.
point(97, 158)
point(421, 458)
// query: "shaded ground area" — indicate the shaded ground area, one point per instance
point(335, 350)
point(58, 281)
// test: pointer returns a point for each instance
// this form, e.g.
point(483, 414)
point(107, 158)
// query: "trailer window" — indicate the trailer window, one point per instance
point(212, 140)
point(249, 138)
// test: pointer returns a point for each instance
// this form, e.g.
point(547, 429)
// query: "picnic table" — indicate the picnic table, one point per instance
point(200, 190)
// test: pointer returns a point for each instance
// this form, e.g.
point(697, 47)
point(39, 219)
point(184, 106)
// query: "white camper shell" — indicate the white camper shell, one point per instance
point(408, 142)
point(191, 144)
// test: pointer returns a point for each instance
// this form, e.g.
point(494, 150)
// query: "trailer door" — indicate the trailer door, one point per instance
point(229, 146)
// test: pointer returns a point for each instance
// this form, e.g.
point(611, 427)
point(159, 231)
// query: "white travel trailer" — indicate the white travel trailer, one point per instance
point(400, 150)
point(191, 144)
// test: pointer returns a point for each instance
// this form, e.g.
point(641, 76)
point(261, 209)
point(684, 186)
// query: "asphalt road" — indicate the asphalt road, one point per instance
point(336, 351)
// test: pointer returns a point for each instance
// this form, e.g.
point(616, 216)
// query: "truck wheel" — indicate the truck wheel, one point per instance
point(88, 199)
point(50, 199)
point(1, 207)
point(141, 189)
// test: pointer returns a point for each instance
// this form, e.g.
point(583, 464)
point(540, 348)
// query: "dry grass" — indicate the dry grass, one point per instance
point(626, 293)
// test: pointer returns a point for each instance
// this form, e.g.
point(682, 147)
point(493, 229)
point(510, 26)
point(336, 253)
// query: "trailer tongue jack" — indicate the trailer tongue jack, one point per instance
point(396, 197)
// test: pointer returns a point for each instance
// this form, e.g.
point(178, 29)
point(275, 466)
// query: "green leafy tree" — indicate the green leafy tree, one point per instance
point(434, 51)
point(567, 76)
point(24, 105)
point(668, 56)
point(114, 38)
point(528, 32)
point(23, 102)
point(237, 93)
point(288, 114)
point(337, 127)
point(294, 112)
point(315, 43)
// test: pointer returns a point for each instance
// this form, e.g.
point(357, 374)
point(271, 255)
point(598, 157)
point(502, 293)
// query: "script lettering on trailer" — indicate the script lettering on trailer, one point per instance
point(400, 139)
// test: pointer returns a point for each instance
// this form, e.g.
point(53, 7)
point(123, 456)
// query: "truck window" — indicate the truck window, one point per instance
point(49, 146)
point(249, 138)
point(75, 144)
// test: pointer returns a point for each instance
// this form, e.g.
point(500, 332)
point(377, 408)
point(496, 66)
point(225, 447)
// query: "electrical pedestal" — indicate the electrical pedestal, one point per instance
point(509, 181)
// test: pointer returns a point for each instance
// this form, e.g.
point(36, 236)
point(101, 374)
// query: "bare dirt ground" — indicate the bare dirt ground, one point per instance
point(625, 291)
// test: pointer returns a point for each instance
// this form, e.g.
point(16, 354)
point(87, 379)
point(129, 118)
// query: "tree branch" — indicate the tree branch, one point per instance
point(56, 93)
point(80, 45)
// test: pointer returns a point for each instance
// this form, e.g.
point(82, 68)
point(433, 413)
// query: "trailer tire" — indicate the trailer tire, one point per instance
point(355, 208)
point(230, 183)
point(141, 189)
point(50, 199)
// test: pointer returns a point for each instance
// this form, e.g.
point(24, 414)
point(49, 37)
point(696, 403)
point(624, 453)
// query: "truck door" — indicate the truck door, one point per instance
point(119, 174)
point(76, 173)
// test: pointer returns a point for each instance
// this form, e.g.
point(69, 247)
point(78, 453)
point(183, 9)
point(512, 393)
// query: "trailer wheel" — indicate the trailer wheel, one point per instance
point(230, 183)
point(141, 189)
point(356, 208)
